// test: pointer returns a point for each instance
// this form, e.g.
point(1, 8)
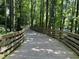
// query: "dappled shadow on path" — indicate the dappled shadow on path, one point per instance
point(41, 46)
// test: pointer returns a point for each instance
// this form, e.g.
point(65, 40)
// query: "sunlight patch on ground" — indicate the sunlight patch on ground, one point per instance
point(37, 49)
point(17, 51)
point(57, 52)
point(46, 42)
point(68, 58)
point(25, 42)
point(32, 33)
point(34, 49)
point(44, 50)
point(12, 54)
point(50, 39)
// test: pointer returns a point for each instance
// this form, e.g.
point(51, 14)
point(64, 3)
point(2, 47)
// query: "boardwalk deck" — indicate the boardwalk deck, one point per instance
point(41, 46)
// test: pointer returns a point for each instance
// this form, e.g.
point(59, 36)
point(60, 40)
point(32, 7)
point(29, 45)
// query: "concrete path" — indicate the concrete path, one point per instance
point(40, 46)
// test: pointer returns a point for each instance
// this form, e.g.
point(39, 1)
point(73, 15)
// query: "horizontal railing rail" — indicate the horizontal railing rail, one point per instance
point(11, 41)
point(72, 40)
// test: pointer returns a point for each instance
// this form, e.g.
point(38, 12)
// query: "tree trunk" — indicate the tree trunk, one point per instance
point(41, 13)
point(12, 14)
point(76, 22)
point(5, 15)
point(47, 4)
point(31, 13)
point(52, 16)
point(61, 20)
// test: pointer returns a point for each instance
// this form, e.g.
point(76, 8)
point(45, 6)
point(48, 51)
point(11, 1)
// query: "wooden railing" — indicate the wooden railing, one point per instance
point(10, 42)
point(72, 41)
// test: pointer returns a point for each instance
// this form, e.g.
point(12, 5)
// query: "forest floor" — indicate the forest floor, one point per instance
point(41, 46)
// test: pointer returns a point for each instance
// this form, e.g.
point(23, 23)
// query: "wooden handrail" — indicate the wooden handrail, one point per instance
point(11, 41)
point(11, 35)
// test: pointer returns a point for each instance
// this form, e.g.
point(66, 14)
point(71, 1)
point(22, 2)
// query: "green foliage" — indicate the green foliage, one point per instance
point(64, 14)
point(2, 31)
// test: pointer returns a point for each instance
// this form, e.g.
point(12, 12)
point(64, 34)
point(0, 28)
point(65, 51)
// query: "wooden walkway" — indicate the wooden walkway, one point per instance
point(41, 46)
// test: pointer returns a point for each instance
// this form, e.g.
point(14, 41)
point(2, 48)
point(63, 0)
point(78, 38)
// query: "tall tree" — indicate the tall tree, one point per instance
point(52, 15)
point(77, 13)
point(5, 9)
point(47, 4)
point(12, 14)
point(19, 21)
point(72, 19)
point(61, 19)
point(41, 12)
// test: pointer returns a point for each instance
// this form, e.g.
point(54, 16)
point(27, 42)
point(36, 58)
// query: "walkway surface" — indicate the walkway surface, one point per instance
point(41, 46)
